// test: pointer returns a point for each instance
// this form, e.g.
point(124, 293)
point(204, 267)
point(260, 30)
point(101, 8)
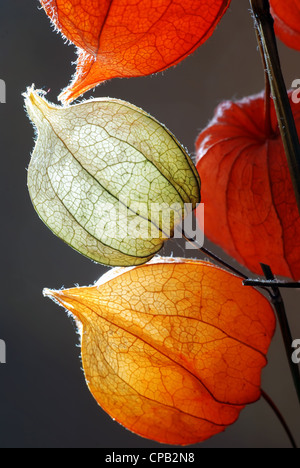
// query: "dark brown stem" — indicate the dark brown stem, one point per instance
point(265, 27)
point(284, 326)
point(258, 283)
point(280, 417)
point(268, 121)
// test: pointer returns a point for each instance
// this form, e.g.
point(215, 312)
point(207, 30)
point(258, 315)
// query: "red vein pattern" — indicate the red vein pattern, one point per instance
point(118, 38)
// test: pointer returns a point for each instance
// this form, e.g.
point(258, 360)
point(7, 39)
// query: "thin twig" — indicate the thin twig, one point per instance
point(215, 257)
point(222, 262)
point(280, 417)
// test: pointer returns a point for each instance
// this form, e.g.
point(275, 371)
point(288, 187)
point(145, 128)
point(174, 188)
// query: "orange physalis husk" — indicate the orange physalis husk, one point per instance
point(250, 205)
point(287, 21)
point(117, 38)
point(172, 350)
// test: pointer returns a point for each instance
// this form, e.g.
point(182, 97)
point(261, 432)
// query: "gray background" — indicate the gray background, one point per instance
point(44, 401)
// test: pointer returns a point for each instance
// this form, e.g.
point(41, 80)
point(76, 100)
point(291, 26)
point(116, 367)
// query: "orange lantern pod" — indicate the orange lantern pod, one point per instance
point(250, 205)
point(173, 350)
point(287, 21)
point(129, 39)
